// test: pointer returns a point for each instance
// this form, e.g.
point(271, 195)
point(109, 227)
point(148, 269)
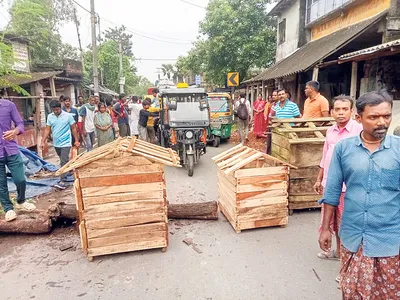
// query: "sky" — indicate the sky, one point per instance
point(162, 29)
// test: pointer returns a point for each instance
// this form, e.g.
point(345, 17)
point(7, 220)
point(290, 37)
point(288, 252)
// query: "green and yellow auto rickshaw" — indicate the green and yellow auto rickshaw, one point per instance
point(221, 117)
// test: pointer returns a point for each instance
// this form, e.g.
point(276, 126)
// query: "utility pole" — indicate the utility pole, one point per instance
point(121, 78)
point(94, 48)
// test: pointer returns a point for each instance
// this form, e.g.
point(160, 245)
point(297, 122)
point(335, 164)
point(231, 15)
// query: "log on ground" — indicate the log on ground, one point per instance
point(32, 222)
point(197, 211)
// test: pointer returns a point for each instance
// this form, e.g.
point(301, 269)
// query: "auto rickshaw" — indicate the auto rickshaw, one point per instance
point(221, 117)
point(184, 120)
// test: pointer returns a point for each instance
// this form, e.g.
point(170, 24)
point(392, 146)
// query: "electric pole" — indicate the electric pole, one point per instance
point(94, 48)
point(121, 78)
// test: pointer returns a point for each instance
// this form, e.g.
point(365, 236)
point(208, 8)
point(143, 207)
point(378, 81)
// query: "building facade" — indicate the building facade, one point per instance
point(337, 44)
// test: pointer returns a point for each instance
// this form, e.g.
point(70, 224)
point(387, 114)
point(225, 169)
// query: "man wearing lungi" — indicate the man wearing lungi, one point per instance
point(369, 165)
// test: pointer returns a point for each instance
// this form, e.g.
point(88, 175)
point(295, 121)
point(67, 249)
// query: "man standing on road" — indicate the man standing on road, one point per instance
point(345, 127)
point(243, 112)
point(88, 129)
point(284, 108)
point(369, 165)
point(316, 105)
point(10, 157)
point(61, 124)
point(123, 118)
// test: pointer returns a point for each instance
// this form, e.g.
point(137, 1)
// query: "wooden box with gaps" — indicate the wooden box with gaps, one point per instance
point(300, 142)
point(252, 188)
point(120, 195)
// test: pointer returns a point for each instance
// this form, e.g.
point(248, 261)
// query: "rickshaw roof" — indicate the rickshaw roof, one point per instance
point(219, 95)
point(183, 91)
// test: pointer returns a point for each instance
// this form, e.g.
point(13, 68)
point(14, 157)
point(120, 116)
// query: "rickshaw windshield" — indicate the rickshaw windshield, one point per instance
point(218, 104)
point(188, 108)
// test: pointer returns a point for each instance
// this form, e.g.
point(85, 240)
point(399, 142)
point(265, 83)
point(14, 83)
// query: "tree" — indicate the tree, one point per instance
point(168, 70)
point(39, 21)
point(235, 35)
point(119, 34)
point(141, 87)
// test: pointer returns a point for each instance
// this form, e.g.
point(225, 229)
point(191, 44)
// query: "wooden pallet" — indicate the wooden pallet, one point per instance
point(252, 188)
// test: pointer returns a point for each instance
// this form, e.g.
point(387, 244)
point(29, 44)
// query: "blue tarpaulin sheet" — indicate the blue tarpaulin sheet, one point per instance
point(33, 164)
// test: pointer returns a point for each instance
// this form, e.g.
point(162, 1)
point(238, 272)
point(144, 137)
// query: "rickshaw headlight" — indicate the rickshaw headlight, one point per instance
point(189, 134)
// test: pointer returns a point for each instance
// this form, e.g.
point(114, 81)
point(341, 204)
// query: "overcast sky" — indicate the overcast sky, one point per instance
point(170, 27)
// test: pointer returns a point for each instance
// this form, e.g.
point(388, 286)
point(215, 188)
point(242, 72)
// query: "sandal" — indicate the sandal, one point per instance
point(328, 255)
point(10, 216)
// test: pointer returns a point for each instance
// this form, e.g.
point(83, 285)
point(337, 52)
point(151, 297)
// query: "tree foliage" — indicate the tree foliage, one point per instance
point(141, 87)
point(119, 34)
point(235, 35)
point(39, 22)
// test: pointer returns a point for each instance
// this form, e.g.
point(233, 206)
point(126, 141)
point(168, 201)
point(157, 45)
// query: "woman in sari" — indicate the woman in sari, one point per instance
point(259, 120)
point(269, 113)
point(103, 123)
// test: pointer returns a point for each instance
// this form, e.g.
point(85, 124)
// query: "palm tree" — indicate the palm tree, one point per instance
point(168, 70)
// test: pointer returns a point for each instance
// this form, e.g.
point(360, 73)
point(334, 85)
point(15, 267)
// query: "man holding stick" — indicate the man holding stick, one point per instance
point(369, 165)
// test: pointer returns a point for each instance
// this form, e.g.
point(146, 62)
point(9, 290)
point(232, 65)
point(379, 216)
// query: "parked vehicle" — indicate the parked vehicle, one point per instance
point(183, 124)
point(221, 117)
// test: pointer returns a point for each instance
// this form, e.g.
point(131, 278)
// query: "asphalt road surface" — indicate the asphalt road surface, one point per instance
point(269, 263)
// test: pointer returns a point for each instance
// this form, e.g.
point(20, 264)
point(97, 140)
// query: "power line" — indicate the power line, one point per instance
point(137, 33)
point(193, 4)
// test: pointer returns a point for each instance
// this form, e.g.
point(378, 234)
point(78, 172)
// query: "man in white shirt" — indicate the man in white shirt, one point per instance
point(243, 116)
point(87, 112)
point(135, 108)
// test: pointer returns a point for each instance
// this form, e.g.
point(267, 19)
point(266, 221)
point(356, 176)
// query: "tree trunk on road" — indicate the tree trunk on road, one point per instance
point(198, 211)
point(33, 222)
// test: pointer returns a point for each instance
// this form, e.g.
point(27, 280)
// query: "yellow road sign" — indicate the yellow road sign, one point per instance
point(233, 79)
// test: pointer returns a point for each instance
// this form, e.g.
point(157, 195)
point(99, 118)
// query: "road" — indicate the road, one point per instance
point(270, 263)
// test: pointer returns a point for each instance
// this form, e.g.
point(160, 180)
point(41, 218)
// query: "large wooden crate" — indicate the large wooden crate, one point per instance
point(300, 142)
point(252, 188)
point(121, 197)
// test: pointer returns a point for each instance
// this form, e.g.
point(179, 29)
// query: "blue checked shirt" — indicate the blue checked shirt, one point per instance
point(371, 213)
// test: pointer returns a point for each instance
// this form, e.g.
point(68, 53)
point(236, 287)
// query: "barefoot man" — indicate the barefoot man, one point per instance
point(369, 165)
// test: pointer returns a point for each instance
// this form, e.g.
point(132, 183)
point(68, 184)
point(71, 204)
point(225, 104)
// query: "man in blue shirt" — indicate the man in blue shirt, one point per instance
point(369, 165)
point(61, 123)
point(284, 108)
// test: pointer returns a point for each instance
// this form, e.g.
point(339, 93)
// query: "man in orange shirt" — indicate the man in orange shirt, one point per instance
point(316, 105)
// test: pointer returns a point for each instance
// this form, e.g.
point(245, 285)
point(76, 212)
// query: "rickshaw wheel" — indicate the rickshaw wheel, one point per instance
point(216, 141)
point(190, 165)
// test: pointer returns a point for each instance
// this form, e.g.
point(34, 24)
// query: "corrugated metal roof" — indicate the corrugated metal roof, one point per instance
point(315, 51)
point(21, 79)
point(370, 50)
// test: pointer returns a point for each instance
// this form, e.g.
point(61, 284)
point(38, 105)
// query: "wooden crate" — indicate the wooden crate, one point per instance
point(121, 197)
point(300, 142)
point(252, 188)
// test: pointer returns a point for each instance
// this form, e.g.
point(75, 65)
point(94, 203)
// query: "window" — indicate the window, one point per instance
point(281, 31)
point(320, 8)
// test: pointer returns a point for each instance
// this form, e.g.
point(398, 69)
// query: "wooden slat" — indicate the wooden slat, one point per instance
point(292, 135)
point(152, 227)
point(125, 239)
point(152, 243)
point(284, 130)
point(108, 190)
point(119, 197)
point(263, 210)
point(261, 179)
point(173, 157)
point(121, 180)
point(160, 160)
point(78, 196)
point(227, 184)
point(114, 169)
point(230, 178)
point(261, 194)
point(243, 163)
point(264, 186)
point(91, 216)
point(304, 205)
point(307, 141)
point(244, 155)
point(316, 131)
point(264, 215)
point(282, 221)
point(83, 235)
point(227, 153)
point(133, 219)
point(304, 198)
point(263, 202)
point(137, 205)
point(234, 157)
point(132, 143)
point(260, 172)
point(298, 120)
point(226, 189)
point(223, 209)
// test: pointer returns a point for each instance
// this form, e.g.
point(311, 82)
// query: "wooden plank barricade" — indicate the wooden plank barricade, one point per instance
point(252, 188)
point(300, 142)
point(120, 195)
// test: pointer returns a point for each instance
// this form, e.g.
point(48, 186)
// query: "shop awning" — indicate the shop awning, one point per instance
point(21, 79)
point(314, 52)
point(385, 49)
